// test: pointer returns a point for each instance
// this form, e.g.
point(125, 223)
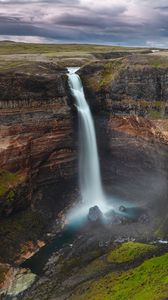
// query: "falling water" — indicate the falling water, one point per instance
point(89, 169)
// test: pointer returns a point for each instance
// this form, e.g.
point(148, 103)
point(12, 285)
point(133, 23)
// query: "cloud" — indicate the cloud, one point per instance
point(26, 39)
point(126, 22)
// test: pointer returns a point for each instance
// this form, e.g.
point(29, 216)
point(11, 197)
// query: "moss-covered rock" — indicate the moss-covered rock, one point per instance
point(129, 251)
point(148, 281)
point(105, 73)
point(8, 180)
point(121, 254)
point(110, 71)
point(11, 190)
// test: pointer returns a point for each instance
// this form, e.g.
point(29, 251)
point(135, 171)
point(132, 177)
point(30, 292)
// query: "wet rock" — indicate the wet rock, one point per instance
point(116, 220)
point(95, 214)
point(122, 208)
point(144, 219)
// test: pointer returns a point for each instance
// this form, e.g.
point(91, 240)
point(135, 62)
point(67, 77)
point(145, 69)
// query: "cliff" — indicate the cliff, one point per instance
point(37, 152)
point(136, 84)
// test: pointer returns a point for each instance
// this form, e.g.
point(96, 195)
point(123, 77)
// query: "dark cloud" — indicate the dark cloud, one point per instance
point(162, 8)
point(122, 21)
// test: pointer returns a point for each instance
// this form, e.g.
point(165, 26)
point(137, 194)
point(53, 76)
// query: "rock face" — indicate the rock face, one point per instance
point(20, 87)
point(134, 163)
point(38, 156)
point(36, 130)
point(123, 93)
point(21, 280)
point(136, 84)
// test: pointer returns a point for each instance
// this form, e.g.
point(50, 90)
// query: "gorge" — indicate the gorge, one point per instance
point(39, 172)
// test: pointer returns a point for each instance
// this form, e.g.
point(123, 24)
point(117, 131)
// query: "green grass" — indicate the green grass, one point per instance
point(111, 70)
point(122, 254)
point(5, 64)
point(154, 114)
point(71, 54)
point(158, 62)
point(54, 49)
point(96, 265)
point(8, 181)
point(108, 72)
point(149, 281)
point(129, 251)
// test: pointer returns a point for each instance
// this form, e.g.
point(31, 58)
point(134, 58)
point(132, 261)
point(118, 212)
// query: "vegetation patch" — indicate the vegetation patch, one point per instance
point(101, 79)
point(148, 281)
point(96, 265)
point(29, 48)
point(158, 62)
point(111, 70)
point(6, 65)
point(154, 115)
point(8, 181)
point(161, 231)
point(19, 230)
point(129, 251)
point(93, 82)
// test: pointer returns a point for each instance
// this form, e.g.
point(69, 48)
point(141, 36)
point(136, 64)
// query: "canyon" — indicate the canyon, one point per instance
point(39, 154)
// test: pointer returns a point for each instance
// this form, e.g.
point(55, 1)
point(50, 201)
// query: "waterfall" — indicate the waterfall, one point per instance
point(89, 168)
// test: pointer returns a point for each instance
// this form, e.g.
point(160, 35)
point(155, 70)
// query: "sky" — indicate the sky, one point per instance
point(114, 22)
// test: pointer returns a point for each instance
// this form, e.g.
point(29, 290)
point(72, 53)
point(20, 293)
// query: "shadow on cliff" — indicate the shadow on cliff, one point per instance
point(134, 168)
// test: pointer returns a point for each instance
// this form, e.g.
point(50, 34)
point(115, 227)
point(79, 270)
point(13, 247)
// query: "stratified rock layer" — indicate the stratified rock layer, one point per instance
point(38, 160)
point(38, 143)
point(137, 84)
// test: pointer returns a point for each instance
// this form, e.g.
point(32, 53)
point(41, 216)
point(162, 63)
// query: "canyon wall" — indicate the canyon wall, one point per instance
point(136, 84)
point(38, 149)
point(38, 135)
point(37, 139)
point(128, 97)
point(38, 159)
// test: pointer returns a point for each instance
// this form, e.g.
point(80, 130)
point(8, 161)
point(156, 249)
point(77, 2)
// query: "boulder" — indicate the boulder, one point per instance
point(95, 214)
point(122, 208)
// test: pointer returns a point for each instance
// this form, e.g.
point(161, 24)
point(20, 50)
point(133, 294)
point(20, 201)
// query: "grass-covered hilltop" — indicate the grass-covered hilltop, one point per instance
point(125, 258)
point(14, 54)
point(8, 47)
